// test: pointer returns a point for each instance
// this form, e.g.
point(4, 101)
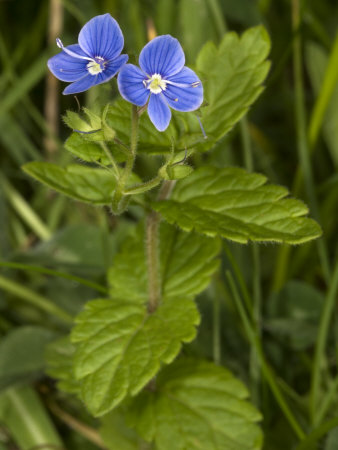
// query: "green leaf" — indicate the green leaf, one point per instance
point(116, 435)
point(293, 314)
point(88, 151)
point(332, 440)
point(196, 405)
point(59, 360)
point(232, 76)
point(86, 184)
point(239, 206)
point(95, 131)
point(120, 347)
point(79, 182)
point(187, 262)
point(21, 354)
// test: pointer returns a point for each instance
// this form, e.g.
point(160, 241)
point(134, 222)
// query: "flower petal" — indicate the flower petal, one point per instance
point(130, 84)
point(66, 67)
point(159, 111)
point(113, 67)
point(102, 36)
point(90, 80)
point(81, 85)
point(184, 97)
point(162, 55)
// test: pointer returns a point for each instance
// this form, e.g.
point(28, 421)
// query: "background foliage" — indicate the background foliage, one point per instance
point(55, 251)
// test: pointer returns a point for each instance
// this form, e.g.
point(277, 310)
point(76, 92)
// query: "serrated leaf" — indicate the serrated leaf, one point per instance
point(86, 150)
point(79, 182)
point(86, 184)
point(59, 360)
point(239, 206)
point(120, 347)
point(232, 76)
point(187, 263)
point(196, 405)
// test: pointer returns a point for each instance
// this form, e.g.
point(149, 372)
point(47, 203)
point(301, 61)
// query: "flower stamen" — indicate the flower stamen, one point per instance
point(96, 65)
point(184, 85)
point(155, 84)
point(69, 52)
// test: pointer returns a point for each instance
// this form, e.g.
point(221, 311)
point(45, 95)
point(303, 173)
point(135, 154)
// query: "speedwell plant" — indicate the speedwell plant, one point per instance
point(123, 358)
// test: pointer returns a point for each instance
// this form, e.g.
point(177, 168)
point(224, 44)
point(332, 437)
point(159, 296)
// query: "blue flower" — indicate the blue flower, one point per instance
point(163, 79)
point(94, 60)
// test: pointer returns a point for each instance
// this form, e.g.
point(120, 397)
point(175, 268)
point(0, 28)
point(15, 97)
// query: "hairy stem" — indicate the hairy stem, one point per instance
point(152, 250)
point(152, 244)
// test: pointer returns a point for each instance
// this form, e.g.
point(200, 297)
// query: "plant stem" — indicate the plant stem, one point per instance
point(316, 434)
point(218, 18)
point(240, 279)
point(143, 187)
point(256, 273)
point(52, 99)
point(34, 299)
point(152, 250)
point(327, 402)
point(216, 327)
point(27, 420)
point(319, 356)
point(55, 273)
point(302, 144)
point(89, 433)
point(267, 372)
point(119, 202)
point(111, 159)
point(325, 95)
point(247, 150)
point(152, 245)
point(24, 210)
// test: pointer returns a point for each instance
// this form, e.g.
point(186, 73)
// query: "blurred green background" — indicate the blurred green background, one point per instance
point(39, 227)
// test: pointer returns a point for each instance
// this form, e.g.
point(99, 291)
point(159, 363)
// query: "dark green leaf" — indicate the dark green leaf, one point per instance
point(82, 183)
point(197, 405)
point(237, 205)
point(59, 360)
point(22, 354)
point(120, 347)
point(232, 76)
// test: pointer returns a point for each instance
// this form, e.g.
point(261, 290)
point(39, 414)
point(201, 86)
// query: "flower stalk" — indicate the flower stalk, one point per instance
point(153, 251)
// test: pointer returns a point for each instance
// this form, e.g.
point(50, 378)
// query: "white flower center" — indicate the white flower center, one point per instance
point(155, 84)
point(96, 65)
